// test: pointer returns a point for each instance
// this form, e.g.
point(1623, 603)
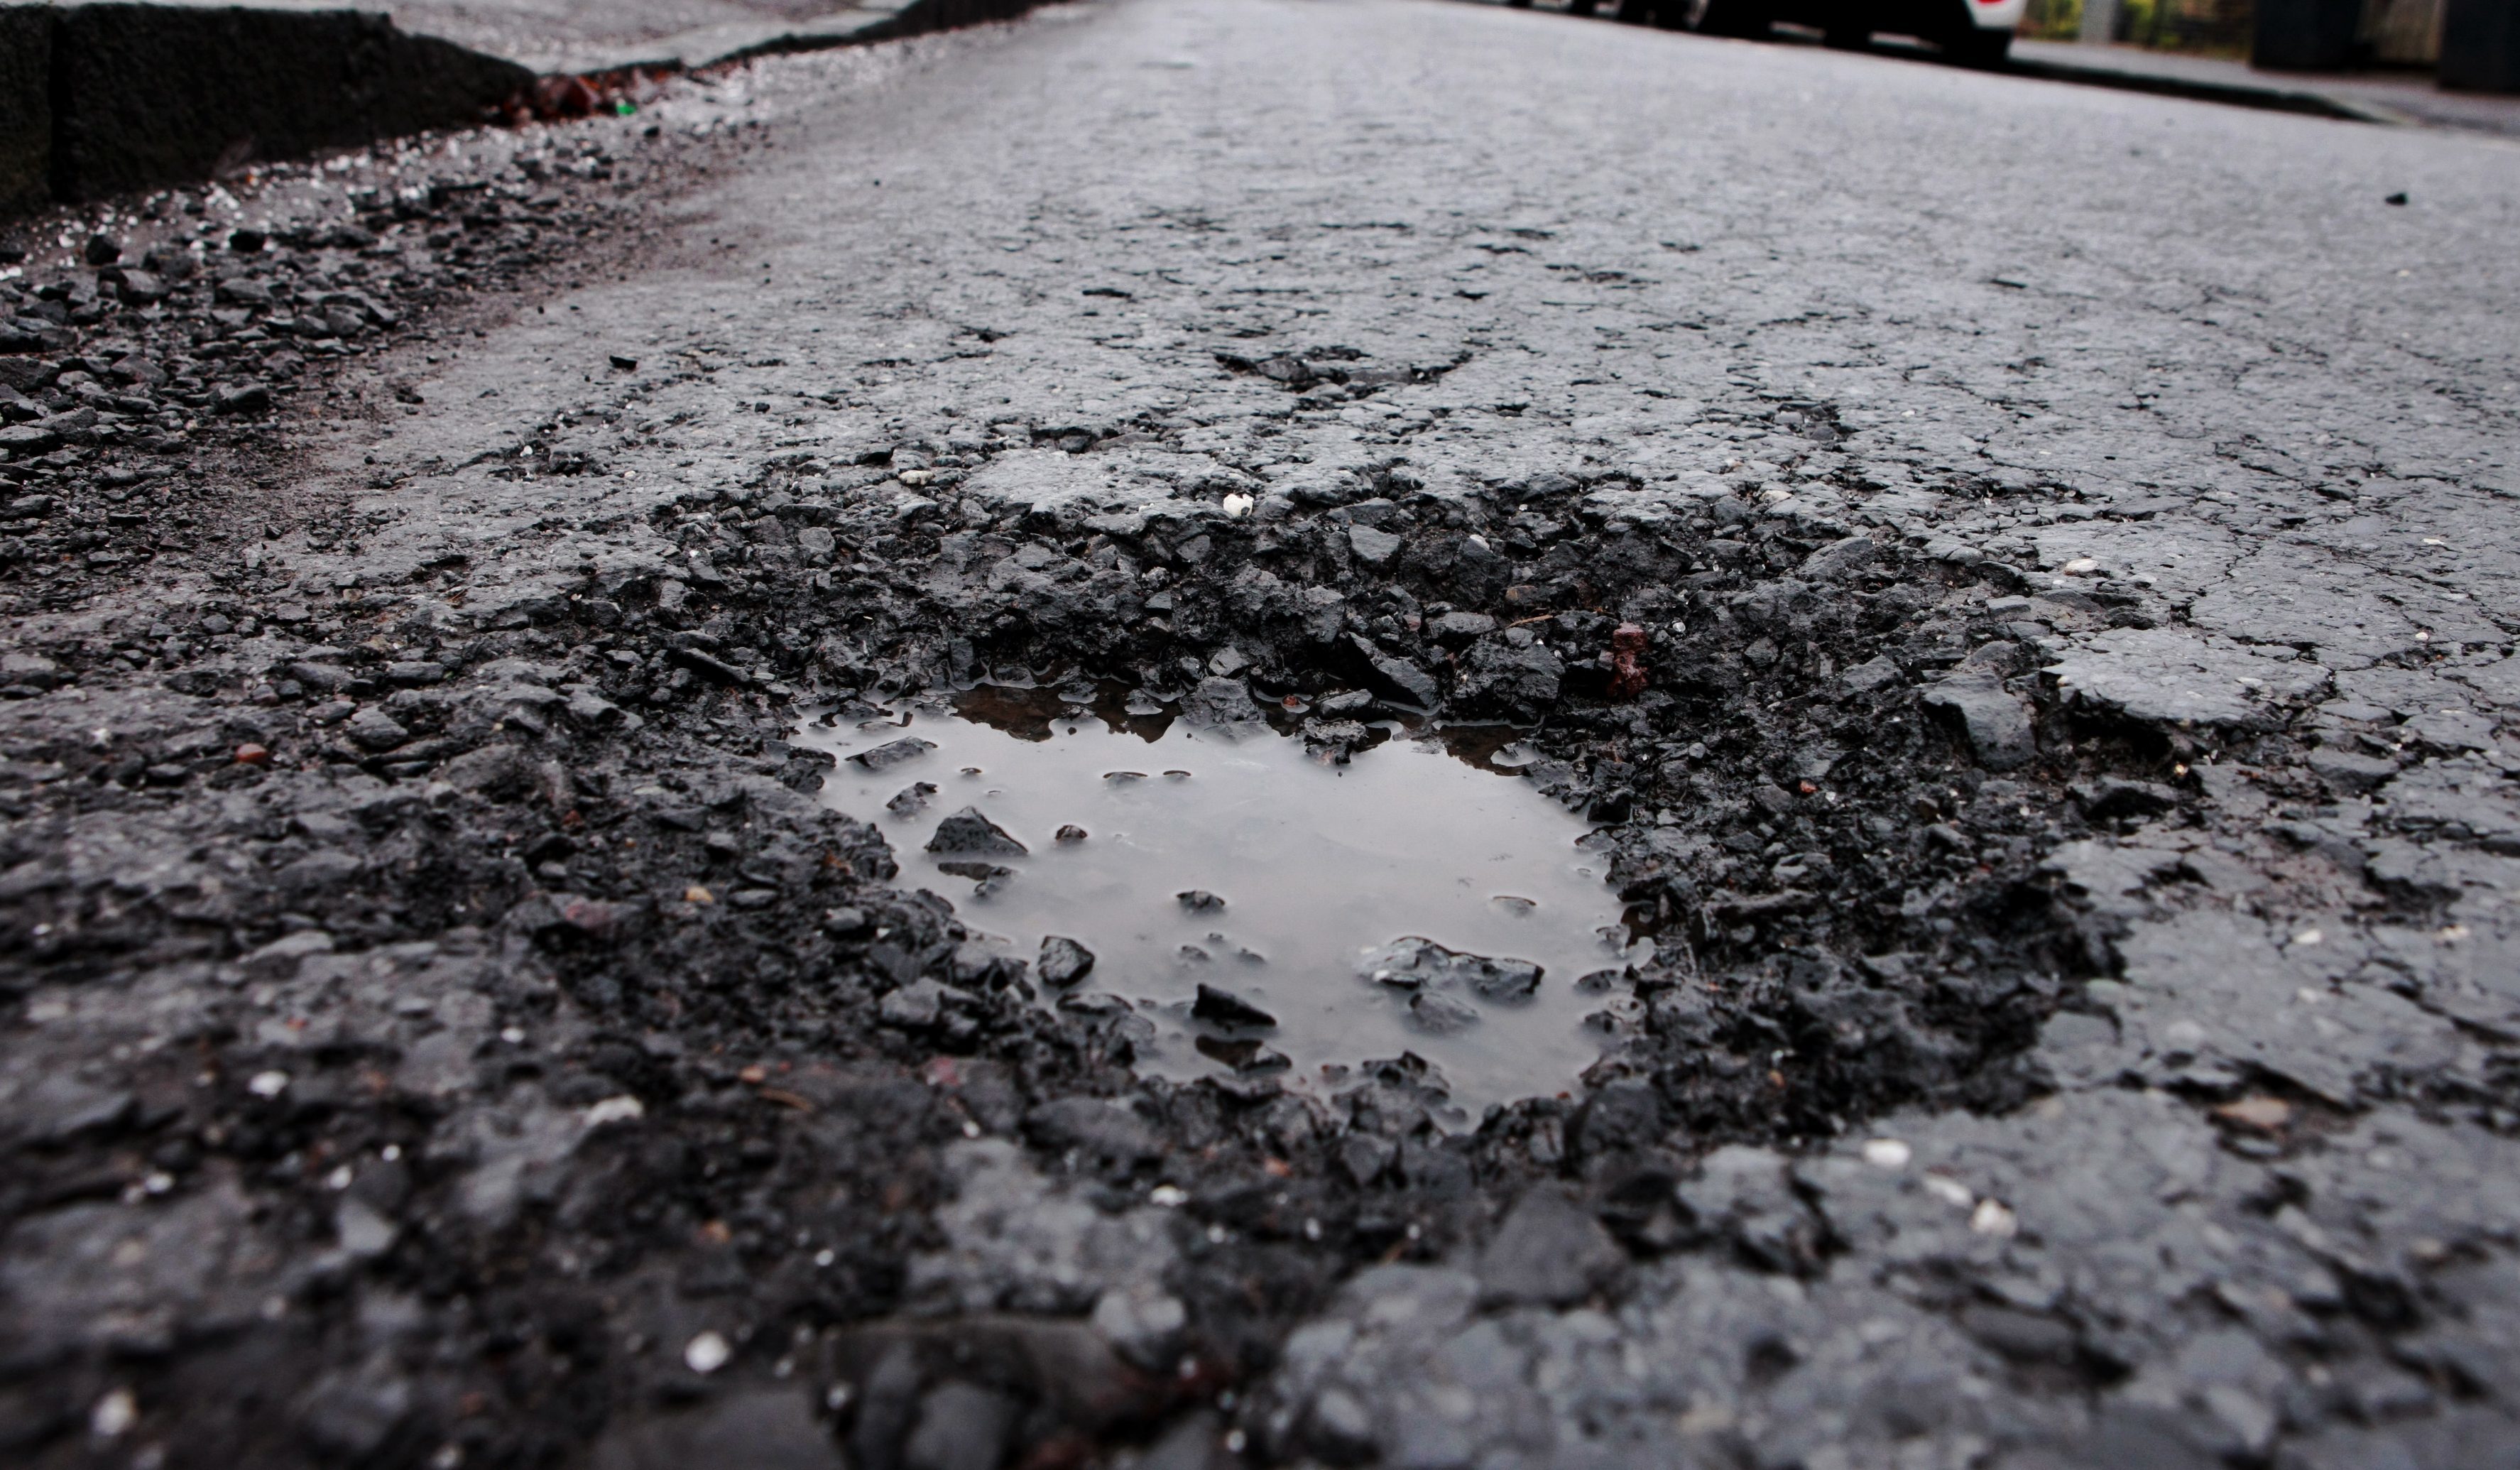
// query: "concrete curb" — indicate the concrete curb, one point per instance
point(100, 98)
point(719, 45)
point(722, 45)
point(26, 108)
point(2267, 98)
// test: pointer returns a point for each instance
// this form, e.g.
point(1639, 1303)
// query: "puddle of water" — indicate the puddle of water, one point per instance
point(1289, 888)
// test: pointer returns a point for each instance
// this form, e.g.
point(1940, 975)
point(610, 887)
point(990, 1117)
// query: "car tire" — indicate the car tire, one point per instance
point(1749, 20)
point(1977, 47)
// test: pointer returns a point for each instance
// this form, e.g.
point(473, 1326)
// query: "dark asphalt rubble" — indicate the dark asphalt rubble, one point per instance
point(135, 373)
point(545, 917)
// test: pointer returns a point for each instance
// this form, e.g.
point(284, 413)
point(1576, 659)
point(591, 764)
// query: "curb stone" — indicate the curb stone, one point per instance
point(106, 98)
point(2278, 99)
point(122, 96)
point(26, 108)
point(708, 46)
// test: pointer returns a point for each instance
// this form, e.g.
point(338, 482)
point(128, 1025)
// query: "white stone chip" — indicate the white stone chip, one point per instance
point(113, 1415)
point(622, 1109)
point(706, 1353)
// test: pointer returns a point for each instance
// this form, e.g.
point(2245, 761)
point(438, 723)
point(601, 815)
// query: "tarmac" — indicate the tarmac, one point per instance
point(452, 1012)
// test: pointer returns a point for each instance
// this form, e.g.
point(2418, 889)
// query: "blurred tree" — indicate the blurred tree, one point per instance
point(2403, 32)
point(2052, 20)
point(2213, 27)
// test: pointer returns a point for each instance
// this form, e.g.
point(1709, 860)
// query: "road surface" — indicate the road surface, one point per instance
point(2071, 537)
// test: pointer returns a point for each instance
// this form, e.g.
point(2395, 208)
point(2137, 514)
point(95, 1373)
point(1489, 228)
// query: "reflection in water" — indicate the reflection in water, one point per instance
point(1186, 858)
point(1030, 712)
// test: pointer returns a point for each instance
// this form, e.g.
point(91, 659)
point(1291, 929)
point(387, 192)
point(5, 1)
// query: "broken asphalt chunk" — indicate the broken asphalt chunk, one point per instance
point(1224, 1008)
point(1548, 1252)
point(1063, 962)
point(1996, 720)
point(892, 753)
point(1416, 963)
point(970, 833)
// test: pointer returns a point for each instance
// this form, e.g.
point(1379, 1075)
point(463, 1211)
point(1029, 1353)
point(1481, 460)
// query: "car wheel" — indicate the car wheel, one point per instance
point(1974, 47)
point(1748, 19)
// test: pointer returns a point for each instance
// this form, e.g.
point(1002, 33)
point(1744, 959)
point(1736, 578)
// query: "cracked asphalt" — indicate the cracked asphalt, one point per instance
point(2069, 539)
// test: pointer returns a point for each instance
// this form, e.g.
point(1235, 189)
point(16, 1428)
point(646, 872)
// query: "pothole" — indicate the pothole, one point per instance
point(1265, 911)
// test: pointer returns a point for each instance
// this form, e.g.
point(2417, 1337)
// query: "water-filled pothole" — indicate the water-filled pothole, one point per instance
point(1264, 911)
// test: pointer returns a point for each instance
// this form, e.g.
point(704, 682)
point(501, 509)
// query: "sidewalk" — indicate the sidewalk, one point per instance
point(2377, 97)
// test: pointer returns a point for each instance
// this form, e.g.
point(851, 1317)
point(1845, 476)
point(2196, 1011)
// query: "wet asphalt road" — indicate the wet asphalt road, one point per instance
point(2189, 355)
point(2241, 430)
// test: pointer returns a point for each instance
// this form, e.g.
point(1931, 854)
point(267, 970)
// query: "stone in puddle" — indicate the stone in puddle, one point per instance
point(1063, 961)
point(892, 753)
point(911, 799)
point(1199, 900)
point(1220, 701)
point(1224, 1008)
point(1420, 964)
point(1338, 739)
point(970, 832)
point(1246, 1054)
point(1440, 1015)
point(972, 868)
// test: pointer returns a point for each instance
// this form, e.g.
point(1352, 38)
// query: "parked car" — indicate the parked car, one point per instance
point(1975, 31)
